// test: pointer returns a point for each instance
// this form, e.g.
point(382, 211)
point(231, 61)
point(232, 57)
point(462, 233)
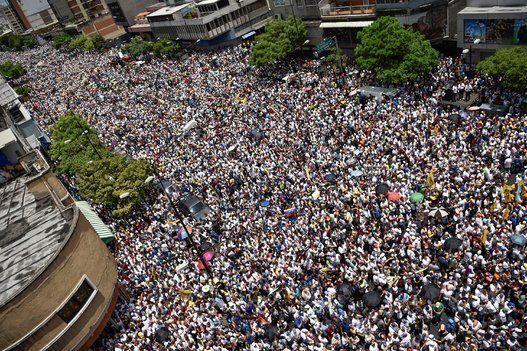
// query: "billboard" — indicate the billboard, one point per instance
point(496, 31)
point(474, 29)
point(500, 31)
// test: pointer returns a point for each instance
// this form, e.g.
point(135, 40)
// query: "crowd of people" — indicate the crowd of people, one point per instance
point(339, 221)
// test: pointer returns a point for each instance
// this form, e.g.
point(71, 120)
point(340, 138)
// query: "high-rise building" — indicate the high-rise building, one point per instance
point(58, 279)
point(210, 21)
point(125, 11)
point(485, 26)
point(10, 17)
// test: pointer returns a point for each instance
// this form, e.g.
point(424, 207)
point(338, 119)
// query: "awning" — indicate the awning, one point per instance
point(207, 2)
point(355, 24)
point(248, 35)
point(98, 225)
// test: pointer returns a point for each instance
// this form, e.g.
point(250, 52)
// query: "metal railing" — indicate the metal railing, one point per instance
point(339, 11)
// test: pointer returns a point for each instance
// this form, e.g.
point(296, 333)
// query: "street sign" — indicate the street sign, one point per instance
point(325, 44)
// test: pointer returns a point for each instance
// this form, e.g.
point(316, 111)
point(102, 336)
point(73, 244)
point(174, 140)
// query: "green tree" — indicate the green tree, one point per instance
point(509, 66)
point(29, 41)
point(280, 39)
point(137, 47)
point(394, 54)
point(337, 57)
point(164, 47)
point(61, 40)
point(17, 42)
point(12, 70)
point(71, 148)
point(98, 41)
point(78, 42)
point(104, 181)
point(23, 90)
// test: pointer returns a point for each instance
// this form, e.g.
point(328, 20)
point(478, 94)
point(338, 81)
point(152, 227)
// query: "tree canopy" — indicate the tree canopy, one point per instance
point(103, 179)
point(62, 40)
point(71, 147)
point(394, 54)
point(17, 42)
point(23, 90)
point(337, 57)
point(280, 39)
point(509, 66)
point(137, 47)
point(86, 43)
point(12, 70)
point(164, 47)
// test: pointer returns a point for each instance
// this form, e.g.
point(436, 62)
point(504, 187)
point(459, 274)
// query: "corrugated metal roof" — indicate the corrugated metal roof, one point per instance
point(96, 222)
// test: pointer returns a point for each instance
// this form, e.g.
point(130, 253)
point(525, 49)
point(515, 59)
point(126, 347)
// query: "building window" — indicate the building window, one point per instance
point(46, 17)
point(77, 302)
point(278, 3)
point(16, 114)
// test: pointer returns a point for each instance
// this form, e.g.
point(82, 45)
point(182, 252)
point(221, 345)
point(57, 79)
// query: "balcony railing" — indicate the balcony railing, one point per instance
point(329, 10)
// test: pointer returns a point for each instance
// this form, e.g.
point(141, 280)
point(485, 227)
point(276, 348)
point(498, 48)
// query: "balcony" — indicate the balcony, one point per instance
point(394, 5)
point(338, 9)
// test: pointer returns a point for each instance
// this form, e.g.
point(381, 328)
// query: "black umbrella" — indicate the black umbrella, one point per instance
point(454, 118)
point(344, 292)
point(204, 247)
point(372, 299)
point(431, 292)
point(161, 335)
point(271, 332)
point(452, 244)
point(382, 189)
point(330, 178)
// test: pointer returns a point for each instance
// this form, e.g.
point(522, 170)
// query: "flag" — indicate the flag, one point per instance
point(430, 182)
point(182, 234)
point(484, 236)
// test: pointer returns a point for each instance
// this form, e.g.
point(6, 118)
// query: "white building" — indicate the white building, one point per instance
point(211, 21)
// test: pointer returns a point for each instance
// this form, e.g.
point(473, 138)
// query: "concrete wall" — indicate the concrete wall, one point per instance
point(131, 8)
point(488, 3)
point(84, 253)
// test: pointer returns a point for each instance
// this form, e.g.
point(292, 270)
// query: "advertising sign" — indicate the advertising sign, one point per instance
point(474, 29)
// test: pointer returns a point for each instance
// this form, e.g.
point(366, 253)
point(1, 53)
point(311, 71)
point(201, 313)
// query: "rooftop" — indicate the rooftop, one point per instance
point(494, 10)
point(33, 230)
point(169, 10)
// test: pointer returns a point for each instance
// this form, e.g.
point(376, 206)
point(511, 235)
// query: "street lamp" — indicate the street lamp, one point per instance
point(179, 217)
point(85, 132)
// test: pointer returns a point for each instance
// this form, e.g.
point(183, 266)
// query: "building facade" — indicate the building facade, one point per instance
point(210, 21)
point(343, 19)
point(125, 11)
point(485, 26)
point(10, 17)
point(58, 280)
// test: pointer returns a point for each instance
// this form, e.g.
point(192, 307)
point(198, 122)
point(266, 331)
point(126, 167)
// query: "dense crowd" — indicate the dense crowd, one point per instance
point(319, 195)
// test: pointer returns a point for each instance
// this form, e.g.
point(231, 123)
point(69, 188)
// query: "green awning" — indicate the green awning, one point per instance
point(96, 222)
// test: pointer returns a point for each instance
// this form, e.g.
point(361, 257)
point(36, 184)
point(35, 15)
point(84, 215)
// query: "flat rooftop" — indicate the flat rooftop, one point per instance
point(493, 10)
point(33, 230)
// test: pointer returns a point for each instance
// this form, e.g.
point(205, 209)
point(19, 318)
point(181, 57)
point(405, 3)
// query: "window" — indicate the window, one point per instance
point(46, 17)
point(16, 114)
point(77, 302)
point(278, 3)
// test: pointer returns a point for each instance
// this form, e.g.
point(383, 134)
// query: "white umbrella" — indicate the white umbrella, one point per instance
point(191, 124)
point(438, 213)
